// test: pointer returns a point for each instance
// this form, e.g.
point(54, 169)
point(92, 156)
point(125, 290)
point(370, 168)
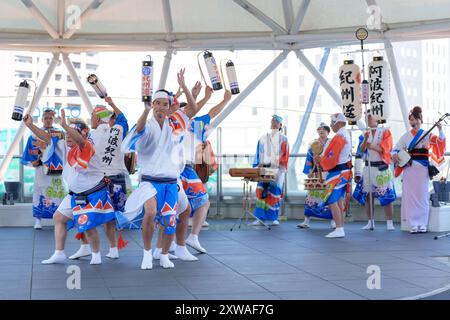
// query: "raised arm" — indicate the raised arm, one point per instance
point(41, 134)
point(208, 94)
point(111, 103)
point(214, 112)
point(191, 107)
point(140, 125)
point(74, 134)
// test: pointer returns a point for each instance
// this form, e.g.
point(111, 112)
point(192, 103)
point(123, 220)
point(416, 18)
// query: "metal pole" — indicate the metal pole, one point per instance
point(397, 81)
point(165, 69)
point(219, 171)
point(77, 82)
point(21, 174)
point(39, 92)
point(371, 209)
point(248, 90)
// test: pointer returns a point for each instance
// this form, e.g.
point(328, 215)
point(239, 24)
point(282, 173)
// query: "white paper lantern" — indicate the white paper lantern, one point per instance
point(350, 83)
point(379, 78)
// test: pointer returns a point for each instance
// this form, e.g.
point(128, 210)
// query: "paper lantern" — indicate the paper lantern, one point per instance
point(350, 83)
point(379, 78)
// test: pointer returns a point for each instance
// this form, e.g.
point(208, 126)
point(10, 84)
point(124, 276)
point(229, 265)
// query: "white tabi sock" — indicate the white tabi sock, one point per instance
point(58, 257)
point(390, 225)
point(183, 254)
point(147, 260)
point(85, 250)
point(193, 242)
point(113, 253)
point(338, 233)
point(37, 224)
point(96, 258)
point(332, 224)
point(165, 262)
point(370, 224)
point(157, 254)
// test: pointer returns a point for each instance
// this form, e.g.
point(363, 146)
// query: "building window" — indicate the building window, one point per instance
point(92, 67)
point(254, 111)
point(77, 65)
point(91, 94)
point(57, 92)
point(69, 79)
point(23, 59)
point(23, 74)
point(285, 101)
point(285, 82)
point(72, 93)
point(301, 101)
point(57, 77)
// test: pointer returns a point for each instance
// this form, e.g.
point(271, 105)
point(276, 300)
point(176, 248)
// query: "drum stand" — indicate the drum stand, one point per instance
point(247, 206)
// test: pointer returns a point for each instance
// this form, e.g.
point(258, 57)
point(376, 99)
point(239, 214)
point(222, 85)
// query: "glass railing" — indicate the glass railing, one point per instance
point(220, 181)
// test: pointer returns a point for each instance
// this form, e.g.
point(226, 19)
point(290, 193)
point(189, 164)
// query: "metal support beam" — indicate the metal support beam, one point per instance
point(168, 22)
point(319, 77)
point(288, 12)
point(41, 18)
point(244, 94)
point(39, 92)
point(299, 17)
point(77, 82)
point(165, 69)
point(83, 17)
point(312, 99)
point(61, 17)
point(397, 81)
point(261, 16)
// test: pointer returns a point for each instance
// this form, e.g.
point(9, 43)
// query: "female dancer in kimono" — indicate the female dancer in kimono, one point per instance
point(415, 205)
point(314, 206)
point(49, 188)
point(272, 152)
point(88, 203)
point(336, 160)
point(376, 145)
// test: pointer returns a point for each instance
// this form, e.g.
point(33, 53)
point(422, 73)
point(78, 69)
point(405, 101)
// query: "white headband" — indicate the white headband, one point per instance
point(161, 95)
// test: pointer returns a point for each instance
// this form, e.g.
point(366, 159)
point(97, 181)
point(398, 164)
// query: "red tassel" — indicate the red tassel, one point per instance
point(121, 244)
point(79, 235)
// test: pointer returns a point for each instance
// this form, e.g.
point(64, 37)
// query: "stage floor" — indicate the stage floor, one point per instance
point(248, 263)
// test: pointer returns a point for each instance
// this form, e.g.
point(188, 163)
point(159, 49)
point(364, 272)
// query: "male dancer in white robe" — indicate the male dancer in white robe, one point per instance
point(108, 139)
point(49, 188)
point(158, 143)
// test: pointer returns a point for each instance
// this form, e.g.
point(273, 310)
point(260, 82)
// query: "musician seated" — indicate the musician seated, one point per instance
point(272, 152)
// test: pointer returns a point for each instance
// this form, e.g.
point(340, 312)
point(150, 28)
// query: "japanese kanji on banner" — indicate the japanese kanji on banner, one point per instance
point(350, 83)
point(379, 78)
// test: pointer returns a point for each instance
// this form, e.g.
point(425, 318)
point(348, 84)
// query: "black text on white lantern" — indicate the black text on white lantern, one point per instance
point(379, 78)
point(147, 80)
point(232, 78)
point(350, 84)
point(21, 100)
point(97, 85)
point(213, 71)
